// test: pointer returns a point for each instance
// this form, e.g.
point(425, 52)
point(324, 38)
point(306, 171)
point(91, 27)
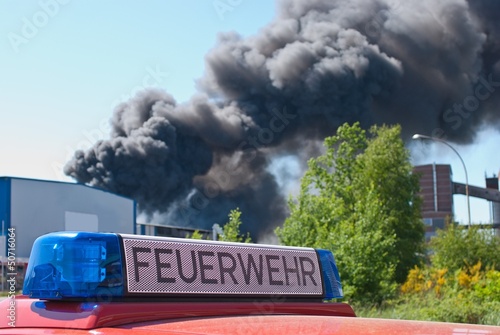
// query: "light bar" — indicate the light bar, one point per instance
point(75, 265)
point(79, 265)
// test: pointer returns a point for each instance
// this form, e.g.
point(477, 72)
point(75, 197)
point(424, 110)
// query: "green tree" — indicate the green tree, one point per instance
point(232, 229)
point(387, 168)
point(196, 235)
point(456, 248)
point(360, 200)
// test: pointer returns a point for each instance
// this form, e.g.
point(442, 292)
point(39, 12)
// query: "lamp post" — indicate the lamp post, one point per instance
point(425, 137)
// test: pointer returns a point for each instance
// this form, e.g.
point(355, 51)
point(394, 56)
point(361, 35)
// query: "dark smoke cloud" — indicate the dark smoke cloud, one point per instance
point(431, 66)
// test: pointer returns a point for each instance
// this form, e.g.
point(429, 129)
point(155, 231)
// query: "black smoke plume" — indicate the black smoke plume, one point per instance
point(431, 66)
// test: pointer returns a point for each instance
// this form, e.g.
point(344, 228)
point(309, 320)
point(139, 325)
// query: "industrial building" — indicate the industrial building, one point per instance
point(437, 189)
point(31, 208)
point(492, 184)
point(36, 207)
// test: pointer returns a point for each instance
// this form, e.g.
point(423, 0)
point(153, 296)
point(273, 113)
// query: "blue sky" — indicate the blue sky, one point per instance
point(59, 88)
point(65, 64)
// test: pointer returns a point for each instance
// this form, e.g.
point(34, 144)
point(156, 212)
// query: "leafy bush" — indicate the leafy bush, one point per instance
point(470, 294)
point(232, 229)
point(455, 248)
point(196, 235)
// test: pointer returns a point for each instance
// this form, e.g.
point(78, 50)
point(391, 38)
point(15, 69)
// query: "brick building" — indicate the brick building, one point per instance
point(436, 189)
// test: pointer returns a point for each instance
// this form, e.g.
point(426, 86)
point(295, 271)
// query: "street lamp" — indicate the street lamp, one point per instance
point(425, 137)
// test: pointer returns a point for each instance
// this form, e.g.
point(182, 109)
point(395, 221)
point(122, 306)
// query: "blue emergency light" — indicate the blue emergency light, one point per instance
point(81, 265)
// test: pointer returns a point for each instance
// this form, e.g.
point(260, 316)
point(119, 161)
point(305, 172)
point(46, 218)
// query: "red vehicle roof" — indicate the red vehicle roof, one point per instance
point(279, 317)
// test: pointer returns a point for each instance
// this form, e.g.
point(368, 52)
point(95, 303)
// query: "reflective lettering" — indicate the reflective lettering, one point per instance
point(271, 269)
point(291, 270)
point(160, 265)
point(305, 272)
point(193, 262)
point(177, 267)
point(247, 271)
point(137, 264)
point(228, 270)
point(203, 267)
